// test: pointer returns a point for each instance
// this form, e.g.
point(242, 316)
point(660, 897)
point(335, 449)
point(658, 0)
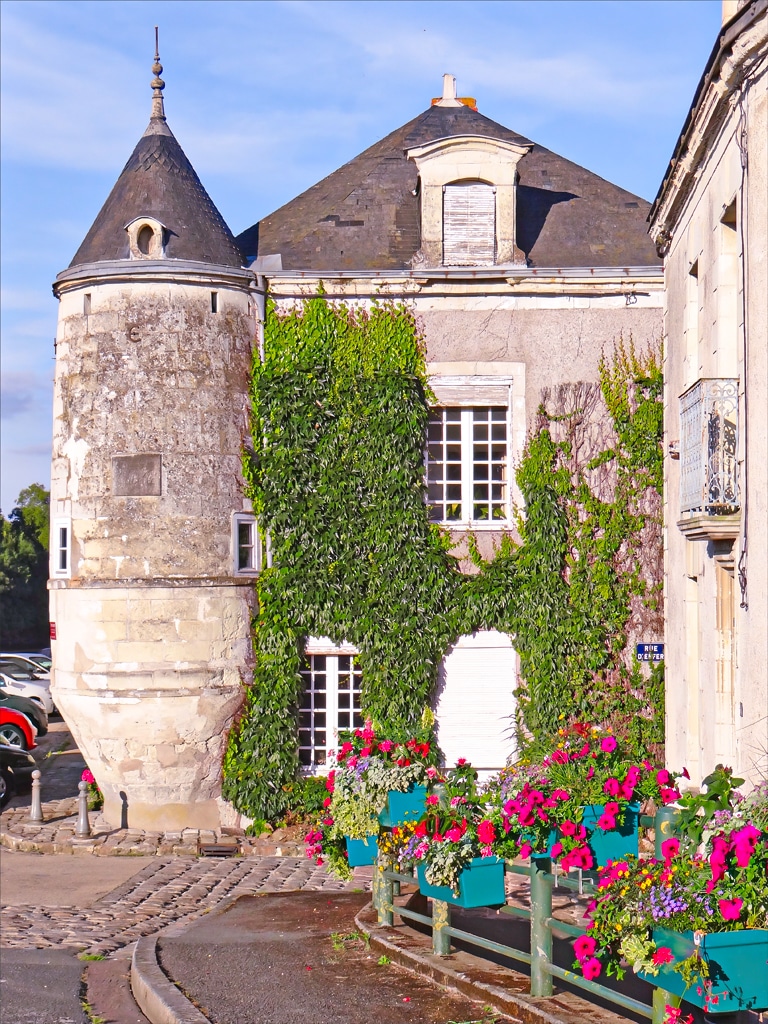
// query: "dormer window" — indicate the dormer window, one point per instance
point(146, 239)
point(469, 224)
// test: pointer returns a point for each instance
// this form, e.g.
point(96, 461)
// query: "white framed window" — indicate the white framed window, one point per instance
point(61, 547)
point(246, 545)
point(330, 703)
point(469, 451)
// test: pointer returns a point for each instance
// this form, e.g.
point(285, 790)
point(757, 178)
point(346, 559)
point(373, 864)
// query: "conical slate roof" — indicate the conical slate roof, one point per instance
point(159, 181)
point(365, 215)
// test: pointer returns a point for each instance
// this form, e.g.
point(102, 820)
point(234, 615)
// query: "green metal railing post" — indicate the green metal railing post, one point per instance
point(541, 933)
point(383, 898)
point(441, 920)
point(661, 1000)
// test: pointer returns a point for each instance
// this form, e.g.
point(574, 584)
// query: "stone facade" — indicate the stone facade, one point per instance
point(711, 219)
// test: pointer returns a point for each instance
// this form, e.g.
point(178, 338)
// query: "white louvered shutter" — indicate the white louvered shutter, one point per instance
point(469, 224)
point(476, 705)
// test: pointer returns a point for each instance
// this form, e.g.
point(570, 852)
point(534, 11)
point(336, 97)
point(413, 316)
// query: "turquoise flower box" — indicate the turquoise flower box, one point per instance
point(481, 884)
point(404, 807)
point(361, 852)
point(616, 844)
point(738, 969)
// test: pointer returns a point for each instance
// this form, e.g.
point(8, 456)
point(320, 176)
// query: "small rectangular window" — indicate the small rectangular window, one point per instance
point(246, 545)
point(214, 302)
point(61, 548)
point(87, 304)
point(330, 704)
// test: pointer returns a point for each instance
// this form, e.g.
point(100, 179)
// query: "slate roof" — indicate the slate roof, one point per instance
point(159, 181)
point(364, 216)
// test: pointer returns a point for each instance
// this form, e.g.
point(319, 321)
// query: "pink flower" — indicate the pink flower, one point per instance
point(730, 909)
point(606, 822)
point(591, 968)
point(668, 796)
point(557, 849)
point(486, 833)
point(568, 828)
point(327, 802)
point(608, 745)
point(87, 776)
point(584, 947)
point(526, 849)
point(431, 772)
point(386, 746)
point(612, 787)
point(432, 800)
point(365, 752)
point(454, 833)
point(662, 776)
point(663, 955)
point(744, 842)
point(461, 761)
point(670, 848)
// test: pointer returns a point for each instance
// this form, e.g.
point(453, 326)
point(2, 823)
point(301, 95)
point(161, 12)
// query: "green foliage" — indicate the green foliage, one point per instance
point(336, 477)
point(24, 570)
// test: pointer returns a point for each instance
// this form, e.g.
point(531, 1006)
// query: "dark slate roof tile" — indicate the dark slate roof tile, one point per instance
point(160, 182)
point(364, 216)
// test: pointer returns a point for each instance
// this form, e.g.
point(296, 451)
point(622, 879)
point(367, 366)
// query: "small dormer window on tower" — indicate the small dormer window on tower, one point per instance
point(146, 238)
point(469, 224)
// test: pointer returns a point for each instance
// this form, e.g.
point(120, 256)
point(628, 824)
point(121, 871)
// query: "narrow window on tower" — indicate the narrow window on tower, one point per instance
point(214, 302)
point(61, 548)
point(87, 304)
point(246, 545)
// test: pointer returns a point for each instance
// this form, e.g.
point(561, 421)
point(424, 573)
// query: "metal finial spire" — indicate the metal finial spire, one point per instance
point(158, 110)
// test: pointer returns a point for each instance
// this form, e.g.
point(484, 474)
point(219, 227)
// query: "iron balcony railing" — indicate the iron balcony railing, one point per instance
point(709, 443)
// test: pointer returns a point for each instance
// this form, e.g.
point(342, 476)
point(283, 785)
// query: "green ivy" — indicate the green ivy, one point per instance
point(340, 403)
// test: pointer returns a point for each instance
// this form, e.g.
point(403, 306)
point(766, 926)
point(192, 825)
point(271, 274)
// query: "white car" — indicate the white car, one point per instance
point(15, 677)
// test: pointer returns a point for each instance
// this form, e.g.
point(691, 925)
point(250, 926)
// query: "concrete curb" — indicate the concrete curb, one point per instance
point(157, 997)
point(468, 975)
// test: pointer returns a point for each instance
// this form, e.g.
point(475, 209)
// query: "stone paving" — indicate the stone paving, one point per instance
point(171, 891)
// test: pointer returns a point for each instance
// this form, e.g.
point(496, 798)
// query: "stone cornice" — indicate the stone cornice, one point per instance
point(152, 271)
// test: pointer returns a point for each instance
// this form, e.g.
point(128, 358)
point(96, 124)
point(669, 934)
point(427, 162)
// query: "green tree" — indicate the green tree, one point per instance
point(24, 570)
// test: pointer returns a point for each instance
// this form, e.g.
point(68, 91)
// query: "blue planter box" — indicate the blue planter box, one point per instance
point(614, 845)
point(481, 884)
point(738, 968)
point(404, 807)
point(361, 852)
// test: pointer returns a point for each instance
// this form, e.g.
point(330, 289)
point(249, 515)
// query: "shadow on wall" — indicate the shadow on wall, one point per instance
point(533, 206)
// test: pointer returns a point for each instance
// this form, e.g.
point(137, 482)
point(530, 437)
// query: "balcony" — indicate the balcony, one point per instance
point(709, 440)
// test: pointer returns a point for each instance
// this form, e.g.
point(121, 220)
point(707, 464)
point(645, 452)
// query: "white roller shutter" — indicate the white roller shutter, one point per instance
point(476, 705)
point(469, 224)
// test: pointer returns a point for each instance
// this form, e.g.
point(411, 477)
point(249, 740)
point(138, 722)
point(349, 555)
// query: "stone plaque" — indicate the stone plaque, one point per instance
point(137, 475)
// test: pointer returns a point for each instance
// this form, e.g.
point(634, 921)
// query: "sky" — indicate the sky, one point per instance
point(266, 97)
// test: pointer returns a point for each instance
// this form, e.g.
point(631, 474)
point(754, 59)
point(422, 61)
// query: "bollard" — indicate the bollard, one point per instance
point(36, 807)
point(384, 893)
point(541, 933)
point(441, 920)
point(83, 827)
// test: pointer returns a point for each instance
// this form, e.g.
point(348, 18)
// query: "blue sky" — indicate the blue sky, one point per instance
point(268, 96)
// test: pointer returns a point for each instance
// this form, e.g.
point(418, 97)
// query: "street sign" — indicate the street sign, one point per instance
point(650, 652)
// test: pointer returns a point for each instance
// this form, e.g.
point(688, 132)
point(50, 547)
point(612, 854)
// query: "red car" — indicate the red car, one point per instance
point(17, 729)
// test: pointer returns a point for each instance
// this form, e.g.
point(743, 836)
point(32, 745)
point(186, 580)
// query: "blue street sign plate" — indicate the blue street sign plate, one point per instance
point(650, 652)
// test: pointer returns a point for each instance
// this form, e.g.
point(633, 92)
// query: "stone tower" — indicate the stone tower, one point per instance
point(154, 548)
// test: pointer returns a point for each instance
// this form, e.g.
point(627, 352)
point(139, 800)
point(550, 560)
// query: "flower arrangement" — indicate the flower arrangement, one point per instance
point(720, 885)
point(366, 770)
point(94, 794)
point(454, 831)
point(540, 807)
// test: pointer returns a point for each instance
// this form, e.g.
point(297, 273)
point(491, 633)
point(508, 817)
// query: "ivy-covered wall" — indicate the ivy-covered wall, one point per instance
point(340, 406)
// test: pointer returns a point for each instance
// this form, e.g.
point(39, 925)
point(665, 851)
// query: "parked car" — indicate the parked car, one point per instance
point(21, 680)
point(17, 729)
point(28, 664)
point(36, 714)
point(16, 767)
point(40, 658)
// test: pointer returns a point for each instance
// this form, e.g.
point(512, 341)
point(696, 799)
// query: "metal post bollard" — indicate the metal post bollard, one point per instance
point(384, 892)
point(36, 807)
point(83, 827)
point(441, 920)
point(541, 933)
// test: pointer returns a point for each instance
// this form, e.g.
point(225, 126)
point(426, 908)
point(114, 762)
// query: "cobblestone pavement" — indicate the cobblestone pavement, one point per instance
point(169, 892)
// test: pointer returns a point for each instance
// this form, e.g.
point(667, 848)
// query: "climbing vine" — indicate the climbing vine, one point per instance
point(340, 404)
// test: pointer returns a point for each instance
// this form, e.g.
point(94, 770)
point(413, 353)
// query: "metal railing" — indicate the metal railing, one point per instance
point(386, 885)
point(709, 441)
